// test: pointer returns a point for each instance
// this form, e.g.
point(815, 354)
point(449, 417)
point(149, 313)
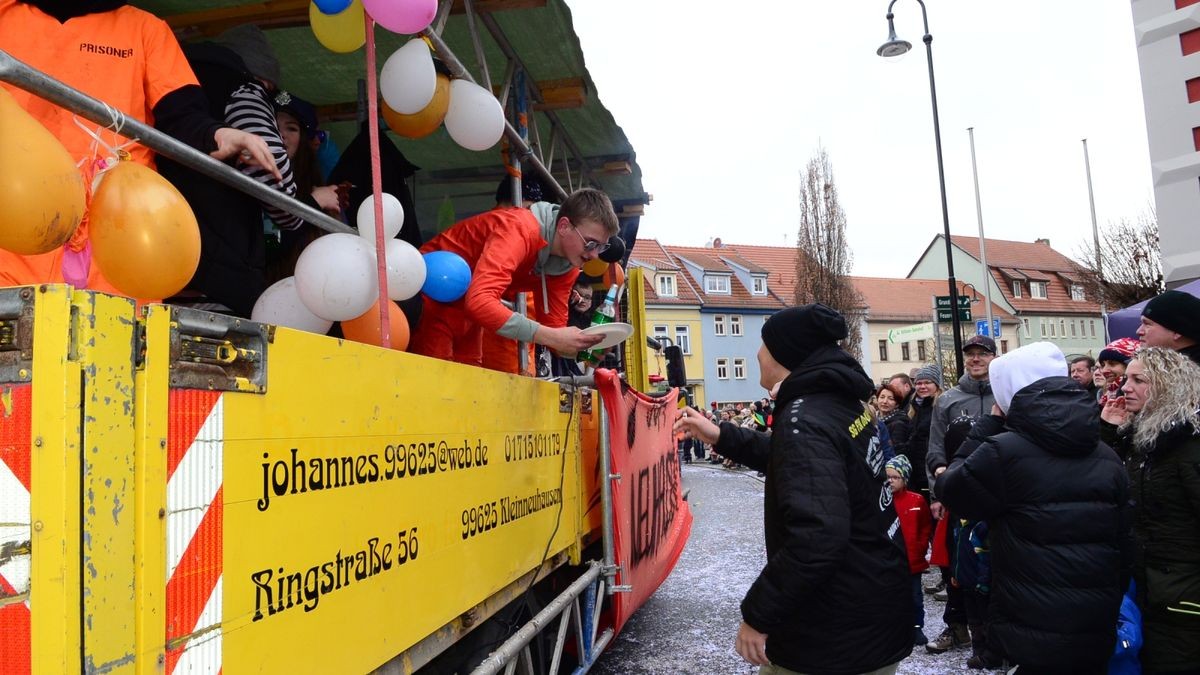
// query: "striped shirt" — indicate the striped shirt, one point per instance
point(249, 109)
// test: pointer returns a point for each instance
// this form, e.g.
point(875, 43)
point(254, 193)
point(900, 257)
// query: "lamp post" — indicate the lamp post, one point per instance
point(895, 47)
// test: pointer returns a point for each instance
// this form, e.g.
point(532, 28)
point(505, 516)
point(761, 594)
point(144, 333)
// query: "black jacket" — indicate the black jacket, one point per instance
point(1056, 500)
point(1166, 496)
point(1192, 353)
point(232, 269)
point(900, 430)
point(918, 444)
point(834, 597)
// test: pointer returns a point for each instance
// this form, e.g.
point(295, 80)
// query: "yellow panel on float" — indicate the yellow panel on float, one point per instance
point(345, 501)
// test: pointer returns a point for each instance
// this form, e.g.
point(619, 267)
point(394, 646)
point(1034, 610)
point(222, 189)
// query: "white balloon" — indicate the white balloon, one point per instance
point(393, 218)
point(408, 79)
point(474, 119)
point(336, 277)
point(281, 305)
point(405, 269)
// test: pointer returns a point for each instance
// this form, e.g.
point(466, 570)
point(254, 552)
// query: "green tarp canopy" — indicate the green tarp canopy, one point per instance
point(538, 32)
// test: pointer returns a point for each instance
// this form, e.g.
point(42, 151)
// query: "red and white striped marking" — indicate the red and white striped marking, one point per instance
point(195, 459)
point(15, 533)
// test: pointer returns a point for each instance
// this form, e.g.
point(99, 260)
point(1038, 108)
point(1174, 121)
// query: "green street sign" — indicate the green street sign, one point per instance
point(944, 315)
point(943, 302)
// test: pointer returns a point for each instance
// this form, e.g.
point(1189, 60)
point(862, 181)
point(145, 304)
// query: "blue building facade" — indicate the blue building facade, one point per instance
point(735, 303)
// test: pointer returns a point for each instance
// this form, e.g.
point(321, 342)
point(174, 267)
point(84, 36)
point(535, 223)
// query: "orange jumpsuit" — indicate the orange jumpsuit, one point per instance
point(502, 248)
point(126, 57)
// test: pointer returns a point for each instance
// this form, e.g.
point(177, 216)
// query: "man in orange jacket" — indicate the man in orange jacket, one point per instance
point(129, 59)
point(511, 251)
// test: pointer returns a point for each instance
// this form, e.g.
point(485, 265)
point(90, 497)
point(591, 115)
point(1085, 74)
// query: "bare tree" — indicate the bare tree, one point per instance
point(1129, 267)
point(823, 258)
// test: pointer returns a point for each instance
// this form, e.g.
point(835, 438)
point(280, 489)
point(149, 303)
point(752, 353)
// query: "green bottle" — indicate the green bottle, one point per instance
point(605, 313)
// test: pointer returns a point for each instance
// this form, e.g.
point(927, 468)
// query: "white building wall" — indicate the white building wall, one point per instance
point(1170, 118)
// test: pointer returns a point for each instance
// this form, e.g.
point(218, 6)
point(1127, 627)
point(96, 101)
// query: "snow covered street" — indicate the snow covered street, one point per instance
point(690, 623)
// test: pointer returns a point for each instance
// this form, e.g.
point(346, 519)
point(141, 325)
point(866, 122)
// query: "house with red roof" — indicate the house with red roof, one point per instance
point(1038, 285)
point(716, 299)
point(900, 316)
point(672, 312)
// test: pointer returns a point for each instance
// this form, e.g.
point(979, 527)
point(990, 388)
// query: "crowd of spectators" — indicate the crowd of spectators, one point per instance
point(1053, 502)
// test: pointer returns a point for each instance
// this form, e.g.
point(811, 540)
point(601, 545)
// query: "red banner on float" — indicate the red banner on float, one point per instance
point(651, 522)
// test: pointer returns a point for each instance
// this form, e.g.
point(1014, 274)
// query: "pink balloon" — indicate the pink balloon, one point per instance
point(402, 16)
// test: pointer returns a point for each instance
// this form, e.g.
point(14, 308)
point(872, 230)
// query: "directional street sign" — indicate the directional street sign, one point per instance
point(981, 328)
point(944, 315)
point(943, 302)
point(917, 331)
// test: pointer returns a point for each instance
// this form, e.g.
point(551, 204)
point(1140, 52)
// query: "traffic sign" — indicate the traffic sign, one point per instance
point(943, 302)
point(944, 315)
point(981, 328)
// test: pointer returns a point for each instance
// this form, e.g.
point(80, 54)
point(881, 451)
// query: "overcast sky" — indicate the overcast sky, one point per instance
point(724, 110)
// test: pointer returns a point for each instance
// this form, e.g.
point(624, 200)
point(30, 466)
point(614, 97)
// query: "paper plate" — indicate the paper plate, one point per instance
point(614, 333)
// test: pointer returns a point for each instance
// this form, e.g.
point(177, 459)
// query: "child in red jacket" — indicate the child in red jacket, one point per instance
point(916, 526)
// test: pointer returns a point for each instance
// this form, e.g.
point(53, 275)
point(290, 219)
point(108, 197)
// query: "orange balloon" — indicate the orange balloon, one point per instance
point(595, 267)
point(420, 124)
point(614, 275)
point(365, 328)
point(43, 197)
point(144, 235)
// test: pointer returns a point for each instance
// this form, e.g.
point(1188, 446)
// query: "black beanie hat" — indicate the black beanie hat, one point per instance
point(792, 334)
point(1176, 311)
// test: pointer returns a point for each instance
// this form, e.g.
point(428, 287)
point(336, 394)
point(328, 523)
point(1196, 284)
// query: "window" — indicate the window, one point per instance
point(683, 339)
point(661, 332)
point(1052, 333)
point(1042, 324)
point(719, 324)
point(1004, 346)
point(739, 369)
point(1077, 292)
point(666, 285)
point(883, 350)
point(904, 353)
point(735, 325)
point(921, 350)
point(1037, 290)
point(1072, 329)
point(759, 287)
point(716, 284)
point(1093, 328)
point(722, 369)
point(1062, 327)
point(1016, 288)
point(1025, 325)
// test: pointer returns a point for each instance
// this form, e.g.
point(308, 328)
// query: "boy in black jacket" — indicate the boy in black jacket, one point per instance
point(835, 595)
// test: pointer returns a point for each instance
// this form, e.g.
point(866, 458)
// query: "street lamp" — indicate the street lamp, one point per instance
point(895, 47)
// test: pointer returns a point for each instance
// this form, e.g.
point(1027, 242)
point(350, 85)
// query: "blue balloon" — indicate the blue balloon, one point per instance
point(332, 6)
point(447, 276)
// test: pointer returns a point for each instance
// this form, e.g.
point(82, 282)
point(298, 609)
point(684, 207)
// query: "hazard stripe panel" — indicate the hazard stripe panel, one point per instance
point(16, 405)
point(195, 454)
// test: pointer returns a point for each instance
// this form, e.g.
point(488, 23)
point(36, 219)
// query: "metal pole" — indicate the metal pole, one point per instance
point(520, 113)
point(937, 342)
point(1087, 166)
point(513, 646)
point(937, 139)
point(987, 273)
point(21, 75)
point(606, 512)
point(483, 67)
point(520, 147)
